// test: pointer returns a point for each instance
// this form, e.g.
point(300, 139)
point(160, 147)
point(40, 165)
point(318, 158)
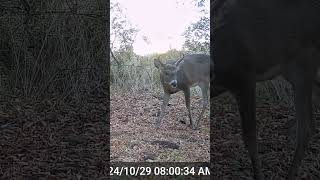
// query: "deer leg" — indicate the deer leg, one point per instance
point(315, 103)
point(302, 82)
point(204, 92)
point(187, 98)
point(246, 103)
point(290, 75)
point(165, 102)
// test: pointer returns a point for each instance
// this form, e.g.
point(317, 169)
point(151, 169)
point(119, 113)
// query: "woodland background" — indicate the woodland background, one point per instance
point(53, 89)
point(56, 65)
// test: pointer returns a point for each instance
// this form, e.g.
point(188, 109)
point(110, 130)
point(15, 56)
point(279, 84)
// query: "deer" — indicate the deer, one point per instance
point(181, 75)
point(257, 40)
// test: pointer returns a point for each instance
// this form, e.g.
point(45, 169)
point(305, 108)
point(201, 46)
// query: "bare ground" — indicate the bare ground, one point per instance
point(134, 137)
point(54, 140)
point(229, 157)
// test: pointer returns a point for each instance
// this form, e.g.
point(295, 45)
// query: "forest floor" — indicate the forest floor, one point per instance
point(275, 148)
point(52, 140)
point(134, 136)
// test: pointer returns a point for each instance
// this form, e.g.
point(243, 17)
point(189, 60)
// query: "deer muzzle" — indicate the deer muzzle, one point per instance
point(173, 83)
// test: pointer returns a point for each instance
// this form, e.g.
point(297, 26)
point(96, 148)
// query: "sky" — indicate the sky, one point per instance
point(161, 21)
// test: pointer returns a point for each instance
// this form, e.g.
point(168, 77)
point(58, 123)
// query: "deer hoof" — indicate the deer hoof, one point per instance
point(157, 124)
point(292, 133)
point(195, 126)
point(182, 121)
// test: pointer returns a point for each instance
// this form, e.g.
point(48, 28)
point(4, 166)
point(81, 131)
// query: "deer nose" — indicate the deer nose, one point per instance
point(173, 83)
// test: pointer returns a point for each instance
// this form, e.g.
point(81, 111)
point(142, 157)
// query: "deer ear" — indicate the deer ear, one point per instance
point(158, 64)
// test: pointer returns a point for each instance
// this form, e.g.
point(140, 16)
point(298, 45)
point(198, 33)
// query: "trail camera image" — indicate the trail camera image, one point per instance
point(160, 81)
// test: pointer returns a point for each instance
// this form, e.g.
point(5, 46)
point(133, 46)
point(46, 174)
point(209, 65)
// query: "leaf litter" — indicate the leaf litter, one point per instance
point(135, 138)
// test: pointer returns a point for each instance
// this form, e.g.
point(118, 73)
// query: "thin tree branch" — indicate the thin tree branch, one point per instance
point(114, 57)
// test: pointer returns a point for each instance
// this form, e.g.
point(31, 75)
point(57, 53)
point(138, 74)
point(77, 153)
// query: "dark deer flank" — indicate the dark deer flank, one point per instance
point(256, 40)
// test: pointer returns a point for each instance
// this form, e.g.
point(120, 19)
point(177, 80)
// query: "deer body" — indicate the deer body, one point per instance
point(181, 75)
point(260, 40)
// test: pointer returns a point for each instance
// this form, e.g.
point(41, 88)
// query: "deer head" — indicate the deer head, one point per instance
point(168, 73)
